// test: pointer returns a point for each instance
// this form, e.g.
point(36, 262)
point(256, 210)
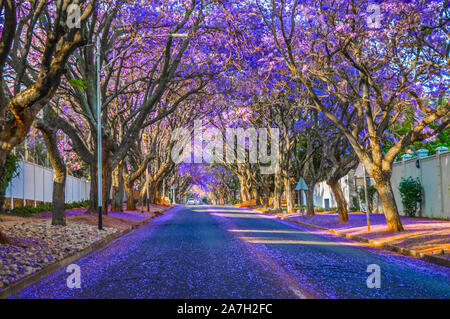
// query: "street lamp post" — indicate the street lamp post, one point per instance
point(148, 196)
point(365, 199)
point(99, 140)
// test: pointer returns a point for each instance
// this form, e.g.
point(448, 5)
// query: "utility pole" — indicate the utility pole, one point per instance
point(146, 180)
point(99, 140)
point(365, 199)
point(164, 191)
point(173, 193)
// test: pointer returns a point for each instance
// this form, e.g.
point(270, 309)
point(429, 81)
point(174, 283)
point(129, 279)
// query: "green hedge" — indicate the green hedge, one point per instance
point(80, 204)
point(31, 210)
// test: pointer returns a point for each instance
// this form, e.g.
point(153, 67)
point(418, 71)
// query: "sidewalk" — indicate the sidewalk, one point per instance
point(427, 236)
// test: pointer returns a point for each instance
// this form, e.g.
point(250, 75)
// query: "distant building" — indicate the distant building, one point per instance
point(323, 196)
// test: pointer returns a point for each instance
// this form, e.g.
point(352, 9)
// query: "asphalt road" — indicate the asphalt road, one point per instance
point(225, 252)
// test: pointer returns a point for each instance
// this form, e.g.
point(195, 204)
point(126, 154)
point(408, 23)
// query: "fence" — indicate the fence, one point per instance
point(434, 175)
point(35, 183)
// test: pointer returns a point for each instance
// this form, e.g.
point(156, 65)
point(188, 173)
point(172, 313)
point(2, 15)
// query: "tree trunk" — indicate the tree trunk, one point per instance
point(253, 193)
point(289, 198)
point(141, 202)
point(265, 200)
point(59, 192)
point(117, 199)
point(340, 199)
point(277, 190)
point(118, 190)
point(244, 190)
point(258, 200)
point(310, 201)
point(129, 193)
point(59, 169)
point(389, 205)
point(58, 209)
point(158, 194)
point(265, 194)
point(244, 197)
point(93, 196)
point(106, 182)
point(159, 200)
point(154, 192)
point(3, 158)
point(3, 239)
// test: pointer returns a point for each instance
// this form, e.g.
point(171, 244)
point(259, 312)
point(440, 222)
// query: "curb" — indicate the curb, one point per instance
point(404, 251)
point(38, 275)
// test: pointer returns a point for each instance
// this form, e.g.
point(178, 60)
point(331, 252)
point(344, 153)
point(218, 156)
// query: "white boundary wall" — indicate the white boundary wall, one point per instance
point(434, 175)
point(35, 183)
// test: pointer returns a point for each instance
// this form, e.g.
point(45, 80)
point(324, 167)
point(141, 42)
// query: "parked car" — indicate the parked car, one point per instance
point(190, 201)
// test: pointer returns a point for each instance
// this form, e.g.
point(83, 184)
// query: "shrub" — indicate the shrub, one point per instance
point(10, 171)
point(333, 209)
point(80, 204)
point(411, 192)
point(355, 209)
point(31, 210)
